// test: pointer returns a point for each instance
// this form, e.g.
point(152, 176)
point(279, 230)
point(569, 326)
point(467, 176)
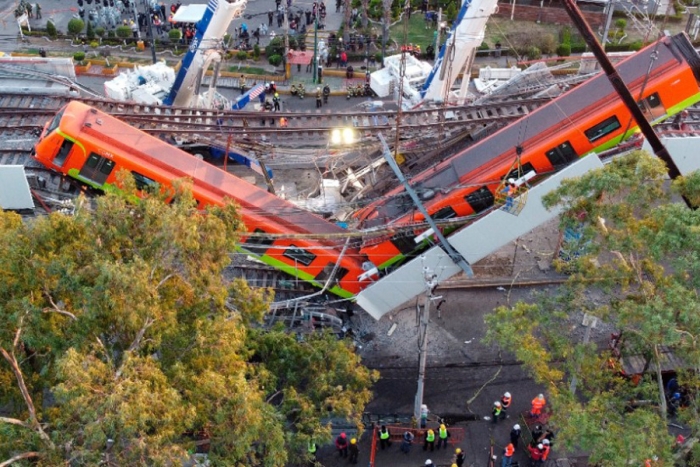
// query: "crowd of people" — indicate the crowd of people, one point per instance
point(538, 439)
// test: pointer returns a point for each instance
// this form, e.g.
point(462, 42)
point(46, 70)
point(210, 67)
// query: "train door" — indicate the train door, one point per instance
point(63, 152)
point(97, 168)
point(652, 107)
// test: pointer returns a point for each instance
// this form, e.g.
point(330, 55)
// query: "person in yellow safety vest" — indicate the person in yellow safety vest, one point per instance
point(508, 455)
point(538, 404)
point(506, 399)
point(429, 440)
point(384, 436)
point(496, 411)
point(312, 453)
point(443, 434)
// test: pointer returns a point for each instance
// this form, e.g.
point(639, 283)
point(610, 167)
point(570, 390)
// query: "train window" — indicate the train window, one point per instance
point(403, 243)
point(97, 168)
point(55, 122)
point(561, 155)
point(143, 182)
point(445, 213)
point(605, 127)
point(323, 276)
point(480, 200)
point(515, 173)
point(299, 255)
point(63, 152)
point(652, 107)
point(258, 244)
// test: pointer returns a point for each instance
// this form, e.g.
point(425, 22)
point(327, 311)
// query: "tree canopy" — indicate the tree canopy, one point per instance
point(122, 343)
point(638, 273)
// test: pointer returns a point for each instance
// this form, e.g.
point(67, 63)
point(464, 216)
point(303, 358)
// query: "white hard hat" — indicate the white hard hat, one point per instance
point(541, 396)
point(497, 404)
point(511, 180)
point(272, 82)
point(428, 462)
point(539, 446)
point(546, 441)
point(507, 394)
point(516, 427)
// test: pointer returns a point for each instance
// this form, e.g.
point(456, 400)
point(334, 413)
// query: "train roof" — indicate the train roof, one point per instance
point(117, 136)
point(669, 51)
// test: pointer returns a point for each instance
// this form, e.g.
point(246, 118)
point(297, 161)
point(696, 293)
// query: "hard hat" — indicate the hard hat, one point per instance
point(516, 427)
point(457, 451)
point(353, 441)
point(442, 426)
point(497, 404)
point(277, 94)
point(423, 406)
point(511, 180)
point(454, 465)
point(676, 395)
point(318, 88)
point(431, 431)
point(539, 446)
point(428, 462)
point(342, 435)
point(272, 82)
point(541, 396)
point(546, 442)
point(507, 394)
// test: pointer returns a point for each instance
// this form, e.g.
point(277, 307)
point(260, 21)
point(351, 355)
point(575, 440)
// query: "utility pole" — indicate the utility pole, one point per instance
point(608, 20)
point(423, 320)
point(149, 18)
point(315, 49)
point(437, 34)
point(287, 66)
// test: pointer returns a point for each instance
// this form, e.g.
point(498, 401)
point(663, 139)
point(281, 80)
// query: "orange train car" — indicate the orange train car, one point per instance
point(589, 118)
point(90, 146)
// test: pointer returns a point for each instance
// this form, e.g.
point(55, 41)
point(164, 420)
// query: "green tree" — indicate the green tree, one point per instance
point(175, 34)
point(76, 26)
point(640, 275)
point(118, 329)
point(124, 32)
point(51, 29)
point(90, 31)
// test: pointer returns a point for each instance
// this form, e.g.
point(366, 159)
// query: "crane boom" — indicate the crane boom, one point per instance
point(465, 36)
point(210, 31)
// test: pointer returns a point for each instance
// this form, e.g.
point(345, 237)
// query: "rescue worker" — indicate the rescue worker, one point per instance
point(429, 440)
point(326, 93)
point(407, 441)
point(354, 451)
point(319, 103)
point(423, 415)
point(37, 7)
point(546, 448)
point(537, 434)
point(506, 400)
point(443, 434)
point(538, 404)
point(276, 102)
point(273, 88)
point(312, 452)
point(536, 455)
point(341, 444)
point(241, 84)
point(496, 411)
point(515, 435)
point(459, 457)
point(384, 436)
point(508, 455)
point(283, 122)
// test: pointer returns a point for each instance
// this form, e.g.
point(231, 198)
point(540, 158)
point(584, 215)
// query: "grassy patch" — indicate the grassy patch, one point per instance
point(249, 70)
point(416, 32)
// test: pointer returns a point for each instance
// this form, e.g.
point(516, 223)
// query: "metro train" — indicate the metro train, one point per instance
point(663, 77)
point(91, 146)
